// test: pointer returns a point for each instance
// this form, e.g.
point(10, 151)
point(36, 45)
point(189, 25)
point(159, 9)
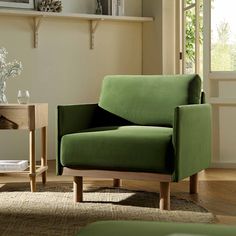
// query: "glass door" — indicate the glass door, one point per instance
point(191, 36)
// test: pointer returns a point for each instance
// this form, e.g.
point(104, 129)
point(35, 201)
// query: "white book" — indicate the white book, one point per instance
point(120, 7)
point(109, 7)
point(114, 8)
point(13, 165)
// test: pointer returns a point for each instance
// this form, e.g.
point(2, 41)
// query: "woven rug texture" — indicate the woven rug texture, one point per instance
point(51, 210)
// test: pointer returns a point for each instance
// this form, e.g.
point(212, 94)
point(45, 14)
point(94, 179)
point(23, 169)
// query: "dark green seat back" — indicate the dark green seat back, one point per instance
point(149, 100)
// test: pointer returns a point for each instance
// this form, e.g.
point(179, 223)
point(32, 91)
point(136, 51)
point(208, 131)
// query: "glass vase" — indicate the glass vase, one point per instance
point(3, 98)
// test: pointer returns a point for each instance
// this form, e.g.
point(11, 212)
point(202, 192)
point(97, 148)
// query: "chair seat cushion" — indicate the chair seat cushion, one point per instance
point(127, 148)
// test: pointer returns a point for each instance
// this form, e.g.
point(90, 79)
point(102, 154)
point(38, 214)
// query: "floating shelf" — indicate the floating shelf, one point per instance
point(94, 20)
point(80, 16)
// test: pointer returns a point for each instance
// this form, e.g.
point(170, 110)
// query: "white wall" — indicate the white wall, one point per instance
point(152, 38)
point(79, 6)
point(168, 36)
point(133, 7)
point(159, 37)
point(63, 70)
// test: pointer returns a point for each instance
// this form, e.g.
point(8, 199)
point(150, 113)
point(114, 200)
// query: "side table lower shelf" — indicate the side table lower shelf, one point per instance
point(39, 170)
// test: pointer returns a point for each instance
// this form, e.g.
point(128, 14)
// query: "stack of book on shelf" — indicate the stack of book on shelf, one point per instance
point(13, 165)
point(113, 7)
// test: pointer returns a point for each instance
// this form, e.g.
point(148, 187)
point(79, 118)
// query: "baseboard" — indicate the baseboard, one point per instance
point(225, 165)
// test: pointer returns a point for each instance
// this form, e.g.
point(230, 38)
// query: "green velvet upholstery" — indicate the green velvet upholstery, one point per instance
point(149, 100)
point(74, 118)
point(71, 119)
point(142, 123)
point(192, 139)
point(128, 228)
point(127, 148)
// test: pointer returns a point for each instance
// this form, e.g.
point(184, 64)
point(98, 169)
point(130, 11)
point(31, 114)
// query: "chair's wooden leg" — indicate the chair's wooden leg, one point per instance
point(78, 189)
point(117, 183)
point(164, 196)
point(44, 153)
point(193, 184)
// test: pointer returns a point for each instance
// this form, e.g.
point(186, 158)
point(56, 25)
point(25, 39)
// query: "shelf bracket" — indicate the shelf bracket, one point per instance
point(37, 23)
point(93, 27)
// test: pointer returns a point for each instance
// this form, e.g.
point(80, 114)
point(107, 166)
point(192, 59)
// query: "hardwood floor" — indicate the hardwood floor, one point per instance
point(217, 189)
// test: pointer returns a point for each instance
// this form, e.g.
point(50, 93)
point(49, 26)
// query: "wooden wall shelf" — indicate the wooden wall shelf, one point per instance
point(94, 20)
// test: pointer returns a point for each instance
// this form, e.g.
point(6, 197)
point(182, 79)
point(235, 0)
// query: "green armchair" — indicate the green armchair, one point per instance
point(144, 128)
point(140, 228)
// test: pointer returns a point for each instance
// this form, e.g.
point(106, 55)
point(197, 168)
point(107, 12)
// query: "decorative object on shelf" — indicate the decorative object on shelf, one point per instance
point(113, 7)
point(119, 8)
point(50, 6)
point(17, 3)
point(7, 70)
point(99, 10)
point(23, 96)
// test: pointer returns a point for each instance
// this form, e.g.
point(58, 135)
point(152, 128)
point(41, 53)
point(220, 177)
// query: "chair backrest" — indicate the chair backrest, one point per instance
point(149, 100)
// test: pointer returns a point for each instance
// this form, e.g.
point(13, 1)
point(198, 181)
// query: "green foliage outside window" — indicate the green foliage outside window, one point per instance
point(223, 50)
point(190, 27)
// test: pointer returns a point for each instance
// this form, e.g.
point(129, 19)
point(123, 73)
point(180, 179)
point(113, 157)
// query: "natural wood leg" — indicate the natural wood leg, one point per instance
point(44, 152)
point(194, 184)
point(117, 183)
point(164, 196)
point(78, 189)
point(32, 160)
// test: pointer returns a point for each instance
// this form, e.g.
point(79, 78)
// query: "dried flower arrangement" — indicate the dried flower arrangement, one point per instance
point(7, 70)
point(50, 6)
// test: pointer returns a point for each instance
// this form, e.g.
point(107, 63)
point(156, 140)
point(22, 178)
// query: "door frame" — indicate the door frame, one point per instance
point(181, 35)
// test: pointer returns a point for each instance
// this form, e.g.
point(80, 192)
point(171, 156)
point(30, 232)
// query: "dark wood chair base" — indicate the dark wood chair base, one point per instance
point(117, 183)
point(78, 189)
point(193, 188)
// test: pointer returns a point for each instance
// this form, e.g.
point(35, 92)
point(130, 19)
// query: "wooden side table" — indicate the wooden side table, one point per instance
point(28, 117)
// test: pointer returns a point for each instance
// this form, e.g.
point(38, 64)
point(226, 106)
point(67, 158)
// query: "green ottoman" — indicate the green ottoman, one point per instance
point(137, 228)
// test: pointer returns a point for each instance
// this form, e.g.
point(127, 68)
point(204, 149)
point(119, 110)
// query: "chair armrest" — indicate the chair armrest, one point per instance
point(71, 119)
point(192, 139)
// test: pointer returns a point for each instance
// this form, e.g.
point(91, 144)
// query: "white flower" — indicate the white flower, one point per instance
point(10, 69)
point(3, 55)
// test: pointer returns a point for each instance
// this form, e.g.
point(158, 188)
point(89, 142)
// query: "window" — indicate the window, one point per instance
point(223, 35)
point(192, 18)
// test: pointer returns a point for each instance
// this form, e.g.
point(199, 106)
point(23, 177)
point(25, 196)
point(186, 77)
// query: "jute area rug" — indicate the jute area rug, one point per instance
point(51, 211)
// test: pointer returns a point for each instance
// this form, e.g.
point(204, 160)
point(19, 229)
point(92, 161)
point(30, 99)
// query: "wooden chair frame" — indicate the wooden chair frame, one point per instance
point(164, 180)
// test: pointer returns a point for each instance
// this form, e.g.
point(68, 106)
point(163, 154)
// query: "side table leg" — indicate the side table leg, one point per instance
point(44, 152)
point(32, 160)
